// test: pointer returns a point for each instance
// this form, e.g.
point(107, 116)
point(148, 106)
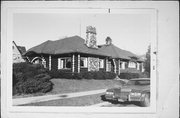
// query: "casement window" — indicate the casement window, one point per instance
point(83, 62)
point(122, 65)
point(101, 63)
point(64, 63)
point(132, 64)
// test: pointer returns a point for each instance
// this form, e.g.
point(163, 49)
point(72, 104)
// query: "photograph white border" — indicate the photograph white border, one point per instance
point(6, 13)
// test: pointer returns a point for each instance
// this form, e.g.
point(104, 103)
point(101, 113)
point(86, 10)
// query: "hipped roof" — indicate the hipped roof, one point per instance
point(63, 46)
point(77, 44)
point(116, 52)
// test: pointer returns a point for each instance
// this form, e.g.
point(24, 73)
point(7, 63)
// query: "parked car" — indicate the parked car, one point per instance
point(135, 90)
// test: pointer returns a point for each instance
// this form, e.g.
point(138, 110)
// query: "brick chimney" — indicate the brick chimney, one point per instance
point(91, 37)
point(108, 41)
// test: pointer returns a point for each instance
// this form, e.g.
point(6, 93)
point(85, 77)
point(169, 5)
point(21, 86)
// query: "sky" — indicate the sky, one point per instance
point(128, 31)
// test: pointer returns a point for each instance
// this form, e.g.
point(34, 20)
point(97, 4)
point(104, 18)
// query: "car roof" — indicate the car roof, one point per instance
point(139, 79)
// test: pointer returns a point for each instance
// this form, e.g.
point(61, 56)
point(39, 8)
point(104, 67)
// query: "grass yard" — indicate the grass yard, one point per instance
point(77, 101)
point(68, 86)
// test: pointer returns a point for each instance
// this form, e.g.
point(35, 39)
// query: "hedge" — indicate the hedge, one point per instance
point(83, 75)
point(30, 78)
point(129, 75)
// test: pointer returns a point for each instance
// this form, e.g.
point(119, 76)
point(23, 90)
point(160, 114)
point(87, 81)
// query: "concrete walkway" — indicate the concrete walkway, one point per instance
point(101, 104)
point(21, 101)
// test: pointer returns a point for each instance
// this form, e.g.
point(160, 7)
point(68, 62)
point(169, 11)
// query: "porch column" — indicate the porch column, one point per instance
point(78, 63)
point(142, 66)
point(119, 67)
point(137, 66)
point(49, 62)
point(106, 65)
point(73, 63)
point(114, 65)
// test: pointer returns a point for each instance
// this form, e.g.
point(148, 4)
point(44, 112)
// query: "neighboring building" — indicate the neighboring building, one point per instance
point(74, 54)
point(18, 52)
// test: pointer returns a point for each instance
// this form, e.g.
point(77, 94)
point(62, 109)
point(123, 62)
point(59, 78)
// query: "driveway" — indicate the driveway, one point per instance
point(21, 101)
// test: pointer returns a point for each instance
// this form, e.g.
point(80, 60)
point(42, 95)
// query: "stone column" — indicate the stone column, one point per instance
point(107, 65)
point(73, 63)
point(137, 66)
point(142, 66)
point(114, 65)
point(119, 66)
point(49, 62)
point(78, 63)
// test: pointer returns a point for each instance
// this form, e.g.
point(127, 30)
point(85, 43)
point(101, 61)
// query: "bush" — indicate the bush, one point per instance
point(66, 75)
point(83, 75)
point(42, 77)
point(129, 75)
point(30, 78)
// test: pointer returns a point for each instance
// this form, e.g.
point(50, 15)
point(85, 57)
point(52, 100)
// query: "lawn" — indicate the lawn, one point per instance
point(77, 101)
point(68, 86)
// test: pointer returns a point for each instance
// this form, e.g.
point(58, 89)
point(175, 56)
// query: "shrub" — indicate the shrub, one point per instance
point(83, 75)
point(32, 86)
point(42, 77)
point(129, 75)
point(30, 78)
point(144, 75)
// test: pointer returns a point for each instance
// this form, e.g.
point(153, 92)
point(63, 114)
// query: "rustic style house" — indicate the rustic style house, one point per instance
point(18, 52)
point(75, 54)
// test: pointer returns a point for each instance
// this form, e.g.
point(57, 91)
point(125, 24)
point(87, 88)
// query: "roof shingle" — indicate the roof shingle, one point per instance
point(66, 45)
point(76, 44)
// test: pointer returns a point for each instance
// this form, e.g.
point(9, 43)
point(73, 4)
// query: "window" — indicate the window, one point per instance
point(101, 63)
point(132, 65)
point(64, 63)
point(83, 62)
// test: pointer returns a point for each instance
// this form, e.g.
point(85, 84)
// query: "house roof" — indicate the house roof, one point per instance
point(76, 44)
point(116, 52)
point(67, 45)
point(21, 49)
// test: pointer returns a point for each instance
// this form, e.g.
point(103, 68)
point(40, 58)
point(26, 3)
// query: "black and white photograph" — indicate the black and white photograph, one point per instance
point(83, 59)
point(98, 60)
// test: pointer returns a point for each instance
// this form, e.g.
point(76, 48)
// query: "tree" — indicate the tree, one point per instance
point(148, 60)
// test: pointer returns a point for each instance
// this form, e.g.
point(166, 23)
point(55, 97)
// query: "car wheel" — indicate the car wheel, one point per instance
point(103, 98)
point(146, 101)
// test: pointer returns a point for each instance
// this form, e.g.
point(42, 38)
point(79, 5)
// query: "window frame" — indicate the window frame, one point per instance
point(59, 63)
point(101, 63)
point(85, 63)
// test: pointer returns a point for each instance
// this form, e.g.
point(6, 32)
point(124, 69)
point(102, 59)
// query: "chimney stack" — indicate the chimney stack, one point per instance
point(91, 37)
point(108, 41)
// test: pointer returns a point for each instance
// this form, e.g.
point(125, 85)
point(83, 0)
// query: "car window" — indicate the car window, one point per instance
point(138, 82)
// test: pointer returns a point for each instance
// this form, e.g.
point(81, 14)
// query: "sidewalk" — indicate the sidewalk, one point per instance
point(21, 101)
point(100, 104)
